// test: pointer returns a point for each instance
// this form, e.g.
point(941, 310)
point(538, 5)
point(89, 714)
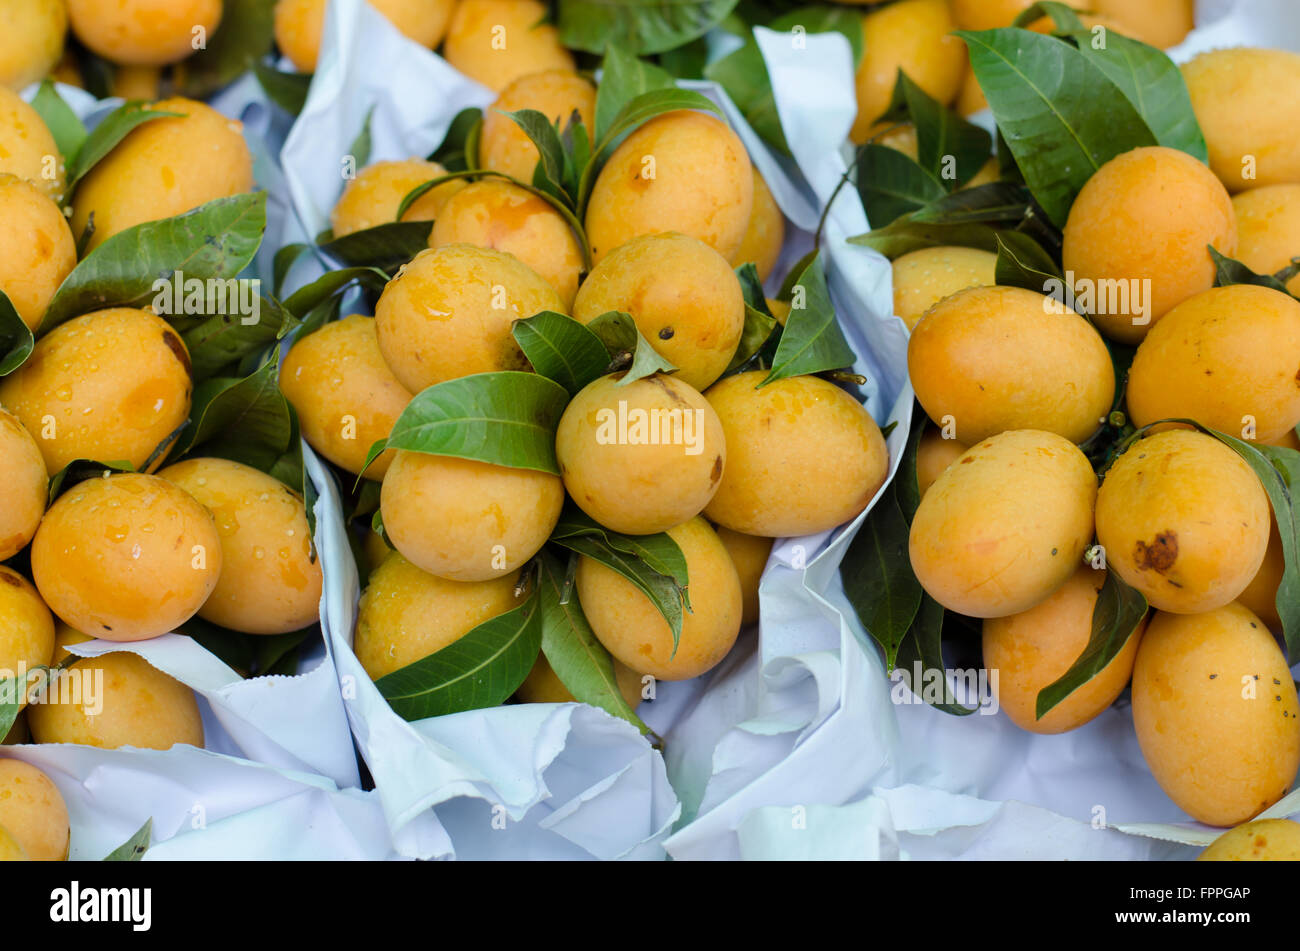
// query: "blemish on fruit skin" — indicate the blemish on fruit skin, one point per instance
point(1159, 554)
point(10, 579)
point(1213, 676)
point(717, 470)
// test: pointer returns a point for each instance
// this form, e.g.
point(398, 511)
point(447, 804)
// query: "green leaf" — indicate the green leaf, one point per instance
point(115, 127)
point(1064, 19)
point(79, 470)
point(16, 341)
point(1060, 115)
point(924, 645)
point(759, 322)
point(327, 287)
point(459, 149)
point(686, 61)
point(1115, 618)
point(481, 669)
point(561, 349)
point(995, 203)
point(69, 132)
point(222, 340)
point(892, 184)
point(949, 148)
point(639, 26)
point(360, 148)
point(549, 175)
point(1023, 263)
point(624, 77)
point(812, 340)
point(507, 418)
point(283, 263)
point(278, 653)
point(241, 40)
point(286, 90)
point(1229, 271)
point(384, 247)
point(743, 74)
point(628, 348)
point(244, 420)
point(134, 848)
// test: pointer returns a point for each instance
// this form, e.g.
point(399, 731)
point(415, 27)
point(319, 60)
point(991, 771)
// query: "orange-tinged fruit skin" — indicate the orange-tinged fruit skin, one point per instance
point(914, 36)
point(991, 14)
point(22, 473)
point(138, 706)
point(1222, 744)
point(137, 82)
point(1260, 596)
point(27, 148)
point(497, 41)
point(971, 98)
point(126, 557)
point(926, 276)
point(1158, 23)
point(36, 248)
point(500, 215)
point(1035, 648)
point(466, 520)
point(543, 685)
point(623, 480)
point(749, 554)
point(346, 397)
point(682, 171)
point(1005, 526)
point(803, 456)
point(1268, 229)
point(1001, 358)
point(934, 455)
point(1184, 520)
point(64, 636)
point(1246, 105)
point(684, 296)
point(299, 25)
point(1266, 840)
point(1226, 358)
point(271, 578)
point(143, 32)
point(407, 614)
point(26, 628)
point(116, 383)
point(375, 550)
point(437, 321)
point(31, 39)
point(375, 195)
point(631, 627)
point(557, 94)
point(33, 812)
point(163, 168)
point(764, 235)
point(10, 850)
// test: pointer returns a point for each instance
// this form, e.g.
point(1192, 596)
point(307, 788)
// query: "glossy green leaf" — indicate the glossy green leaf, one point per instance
point(561, 349)
point(134, 848)
point(68, 130)
point(628, 349)
point(812, 341)
point(639, 26)
point(114, 127)
point(16, 340)
point(891, 184)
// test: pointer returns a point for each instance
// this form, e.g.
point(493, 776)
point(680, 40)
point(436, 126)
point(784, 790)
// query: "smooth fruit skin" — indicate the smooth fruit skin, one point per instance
point(1147, 214)
point(1260, 596)
point(26, 630)
point(934, 454)
point(1267, 840)
point(406, 614)
point(449, 311)
point(1184, 520)
point(271, 577)
point(466, 520)
point(764, 235)
point(22, 473)
point(36, 248)
point(924, 277)
point(1006, 525)
point(992, 359)
point(10, 850)
point(991, 14)
point(300, 24)
point(497, 41)
point(682, 171)
point(643, 479)
point(144, 32)
point(31, 40)
point(684, 296)
point(1216, 715)
point(112, 385)
point(375, 195)
point(557, 94)
point(27, 149)
point(749, 553)
point(1035, 648)
point(803, 456)
point(1228, 358)
point(1245, 102)
point(631, 627)
point(914, 36)
point(33, 812)
point(126, 557)
point(500, 215)
point(63, 637)
point(163, 168)
point(1158, 23)
point(543, 685)
point(1268, 229)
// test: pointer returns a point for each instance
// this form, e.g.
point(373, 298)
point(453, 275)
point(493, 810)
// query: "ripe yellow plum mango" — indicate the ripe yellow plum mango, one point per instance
point(375, 195)
point(497, 41)
point(764, 235)
point(26, 630)
point(22, 473)
point(557, 94)
point(1266, 840)
point(27, 149)
point(33, 812)
point(749, 554)
point(300, 24)
point(31, 39)
point(924, 277)
point(1268, 229)
point(36, 248)
point(144, 32)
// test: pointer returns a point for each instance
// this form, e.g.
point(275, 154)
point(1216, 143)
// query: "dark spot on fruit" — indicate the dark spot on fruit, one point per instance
point(1254, 625)
point(1213, 676)
point(1209, 373)
point(1260, 842)
point(666, 333)
point(1276, 681)
point(7, 578)
point(967, 461)
point(1053, 551)
point(178, 348)
point(717, 470)
point(1159, 554)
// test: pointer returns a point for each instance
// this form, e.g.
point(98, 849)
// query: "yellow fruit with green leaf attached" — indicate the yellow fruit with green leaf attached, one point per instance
point(543, 685)
point(555, 93)
point(375, 196)
point(27, 149)
point(1268, 229)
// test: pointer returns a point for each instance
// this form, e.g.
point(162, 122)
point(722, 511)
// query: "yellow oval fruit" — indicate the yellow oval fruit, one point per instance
point(1033, 649)
point(26, 631)
point(1216, 715)
point(375, 195)
point(27, 149)
point(137, 82)
point(439, 319)
point(1158, 23)
point(1267, 840)
point(1268, 229)
point(803, 456)
point(1244, 103)
point(33, 812)
point(10, 850)
point(300, 24)
point(764, 235)
point(1146, 215)
point(684, 296)
point(1260, 596)
point(642, 457)
point(134, 705)
point(22, 473)
point(112, 385)
point(1000, 358)
point(991, 14)
point(270, 579)
point(1227, 358)
point(916, 37)
point(682, 171)
point(467, 520)
point(144, 32)
point(375, 550)
point(497, 41)
point(544, 686)
point(31, 39)
point(1184, 520)
point(749, 554)
point(163, 168)
point(934, 454)
point(63, 637)
point(1006, 525)
point(500, 215)
point(633, 630)
point(126, 557)
point(407, 614)
point(36, 248)
point(345, 396)
point(924, 277)
point(557, 94)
